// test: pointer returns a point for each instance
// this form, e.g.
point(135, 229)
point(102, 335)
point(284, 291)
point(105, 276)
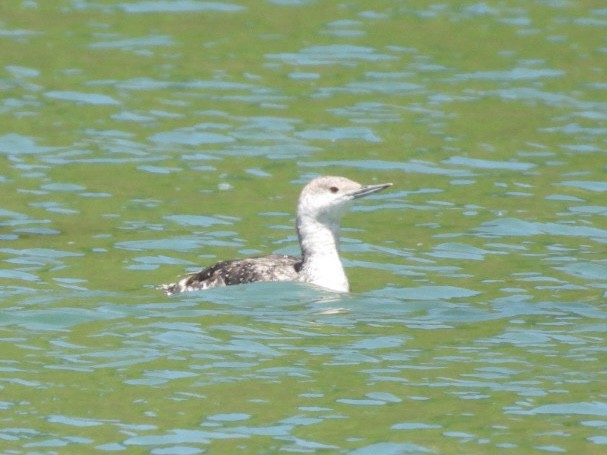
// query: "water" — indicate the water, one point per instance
point(143, 139)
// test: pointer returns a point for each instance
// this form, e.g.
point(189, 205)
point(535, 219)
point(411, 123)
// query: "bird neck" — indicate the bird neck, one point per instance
point(319, 242)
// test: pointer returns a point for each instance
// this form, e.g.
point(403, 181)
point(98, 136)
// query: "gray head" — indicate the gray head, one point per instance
point(326, 199)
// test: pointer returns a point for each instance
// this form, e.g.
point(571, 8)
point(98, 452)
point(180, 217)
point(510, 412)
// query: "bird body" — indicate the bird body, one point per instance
point(321, 205)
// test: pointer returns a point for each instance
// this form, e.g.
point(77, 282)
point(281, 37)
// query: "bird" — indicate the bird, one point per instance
point(322, 204)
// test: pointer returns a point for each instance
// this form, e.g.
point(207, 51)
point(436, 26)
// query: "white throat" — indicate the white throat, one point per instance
point(320, 251)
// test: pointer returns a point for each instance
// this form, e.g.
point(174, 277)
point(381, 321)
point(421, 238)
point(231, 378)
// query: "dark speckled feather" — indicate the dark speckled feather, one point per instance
point(240, 271)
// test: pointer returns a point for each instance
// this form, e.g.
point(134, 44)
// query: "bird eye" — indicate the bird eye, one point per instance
point(333, 189)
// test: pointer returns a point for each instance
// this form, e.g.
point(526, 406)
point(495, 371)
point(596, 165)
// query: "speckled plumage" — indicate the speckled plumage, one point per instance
point(322, 203)
point(239, 271)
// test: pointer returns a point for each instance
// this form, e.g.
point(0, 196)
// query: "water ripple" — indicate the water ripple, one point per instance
point(331, 54)
point(408, 166)
point(81, 97)
point(505, 227)
point(179, 6)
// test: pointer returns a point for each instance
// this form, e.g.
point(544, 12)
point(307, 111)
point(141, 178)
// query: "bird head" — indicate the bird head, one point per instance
point(327, 199)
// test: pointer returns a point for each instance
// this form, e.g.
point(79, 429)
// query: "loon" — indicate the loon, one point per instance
point(322, 203)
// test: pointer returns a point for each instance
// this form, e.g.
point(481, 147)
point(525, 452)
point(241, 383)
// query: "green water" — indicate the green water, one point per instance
point(143, 139)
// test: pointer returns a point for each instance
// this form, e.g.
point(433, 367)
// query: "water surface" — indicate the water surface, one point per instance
point(143, 139)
